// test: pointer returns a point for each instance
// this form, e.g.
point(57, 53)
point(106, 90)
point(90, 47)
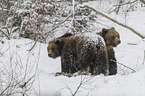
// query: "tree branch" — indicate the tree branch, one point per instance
point(113, 20)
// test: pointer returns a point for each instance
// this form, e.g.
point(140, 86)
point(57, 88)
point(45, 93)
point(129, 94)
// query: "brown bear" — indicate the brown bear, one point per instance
point(79, 53)
point(112, 39)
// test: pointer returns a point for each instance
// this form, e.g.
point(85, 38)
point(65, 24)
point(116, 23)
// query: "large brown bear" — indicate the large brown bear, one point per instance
point(112, 39)
point(79, 53)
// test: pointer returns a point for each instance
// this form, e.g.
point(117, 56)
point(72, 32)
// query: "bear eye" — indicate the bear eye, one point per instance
point(113, 37)
point(52, 49)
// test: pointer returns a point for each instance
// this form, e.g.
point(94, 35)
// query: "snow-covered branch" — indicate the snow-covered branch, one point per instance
point(113, 20)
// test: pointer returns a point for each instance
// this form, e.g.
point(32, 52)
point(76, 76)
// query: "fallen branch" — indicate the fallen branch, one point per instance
point(113, 20)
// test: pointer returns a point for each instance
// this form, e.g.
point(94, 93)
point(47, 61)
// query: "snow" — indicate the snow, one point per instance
point(131, 52)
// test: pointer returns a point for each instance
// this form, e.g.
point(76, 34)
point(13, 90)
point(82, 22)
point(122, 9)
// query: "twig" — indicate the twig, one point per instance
point(119, 7)
point(4, 34)
point(4, 90)
point(33, 45)
point(81, 83)
point(113, 20)
point(144, 58)
point(126, 3)
point(25, 83)
point(124, 65)
point(78, 88)
point(69, 88)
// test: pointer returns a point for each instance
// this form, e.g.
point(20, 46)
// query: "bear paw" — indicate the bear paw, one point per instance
point(64, 74)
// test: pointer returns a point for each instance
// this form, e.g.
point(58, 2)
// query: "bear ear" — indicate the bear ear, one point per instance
point(67, 35)
point(100, 33)
point(104, 31)
point(58, 41)
point(49, 42)
point(112, 28)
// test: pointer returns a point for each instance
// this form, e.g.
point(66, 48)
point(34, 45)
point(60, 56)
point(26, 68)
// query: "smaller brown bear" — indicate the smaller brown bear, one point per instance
point(79, 53)
point(112, 39)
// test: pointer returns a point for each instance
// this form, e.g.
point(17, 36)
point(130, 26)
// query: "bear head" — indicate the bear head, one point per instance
point(111, 37)
point(53, 48)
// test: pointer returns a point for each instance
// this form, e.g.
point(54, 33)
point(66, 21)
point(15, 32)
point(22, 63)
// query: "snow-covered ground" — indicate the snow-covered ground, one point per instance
point(131, 52)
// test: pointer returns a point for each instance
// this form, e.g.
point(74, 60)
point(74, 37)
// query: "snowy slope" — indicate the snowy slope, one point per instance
point(130, 52)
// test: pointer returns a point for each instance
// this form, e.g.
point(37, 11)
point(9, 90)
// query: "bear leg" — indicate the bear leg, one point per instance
point(112, 67)
point(68, 62)
point(112, 62)
point(101, 60)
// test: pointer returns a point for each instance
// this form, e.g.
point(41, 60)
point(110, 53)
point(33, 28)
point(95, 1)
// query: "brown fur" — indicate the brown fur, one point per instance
point(79, 54)
point(112, 39)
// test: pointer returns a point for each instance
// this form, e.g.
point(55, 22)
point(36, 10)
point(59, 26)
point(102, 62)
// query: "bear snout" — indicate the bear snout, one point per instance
point(52, 56)
point(118, 41)
point(49, 55)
